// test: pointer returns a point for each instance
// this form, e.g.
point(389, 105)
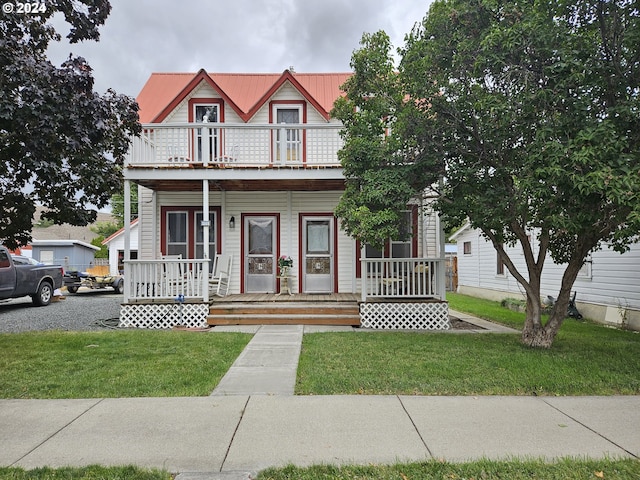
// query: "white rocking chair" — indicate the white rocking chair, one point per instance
point(219, 281)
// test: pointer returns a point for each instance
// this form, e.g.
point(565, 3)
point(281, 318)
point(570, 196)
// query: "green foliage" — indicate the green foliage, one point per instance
point(117, 206)
point(62, 144)
point(523, 117)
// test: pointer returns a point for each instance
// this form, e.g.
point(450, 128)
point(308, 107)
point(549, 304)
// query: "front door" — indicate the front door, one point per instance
point(260, 247)
point(317, 261)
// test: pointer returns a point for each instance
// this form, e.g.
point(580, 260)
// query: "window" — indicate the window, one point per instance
point(466, 248)
point(177, 234)
point(585, 271)
point(207, 142)
point(402, 248)
point(182, 233)
point(287, 145)
point(4, 259)
point(396, 248)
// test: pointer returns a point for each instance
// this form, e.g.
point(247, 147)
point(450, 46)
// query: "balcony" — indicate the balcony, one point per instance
point(223, 145)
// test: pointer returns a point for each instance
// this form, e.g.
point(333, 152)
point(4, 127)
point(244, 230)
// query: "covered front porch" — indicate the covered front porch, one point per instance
point(395, 294)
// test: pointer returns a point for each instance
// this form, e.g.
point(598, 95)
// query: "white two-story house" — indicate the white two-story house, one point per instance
point(235, 171)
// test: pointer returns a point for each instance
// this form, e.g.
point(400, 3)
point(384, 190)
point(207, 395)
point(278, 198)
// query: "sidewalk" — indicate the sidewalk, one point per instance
point(252, 421)
point(240, 434)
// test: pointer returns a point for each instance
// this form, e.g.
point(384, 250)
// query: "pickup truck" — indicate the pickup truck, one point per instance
point(21, 279)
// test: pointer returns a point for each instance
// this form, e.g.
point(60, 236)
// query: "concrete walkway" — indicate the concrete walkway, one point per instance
point(267, 365)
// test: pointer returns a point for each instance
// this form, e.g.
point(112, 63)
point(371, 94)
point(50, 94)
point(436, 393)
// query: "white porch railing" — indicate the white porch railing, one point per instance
point(402, 278)
point(166, 280)
point(224, 144)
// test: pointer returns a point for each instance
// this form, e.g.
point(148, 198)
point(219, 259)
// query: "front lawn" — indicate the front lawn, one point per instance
point(138, 363)
point(586, 359)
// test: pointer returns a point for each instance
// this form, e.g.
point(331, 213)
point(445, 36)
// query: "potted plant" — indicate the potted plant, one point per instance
point(284, 264)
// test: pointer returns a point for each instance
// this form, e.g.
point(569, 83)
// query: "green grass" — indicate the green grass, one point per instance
point(586, 359)
point(568, 469)
point(115, 364)
point(486, 309)
point(93, 472)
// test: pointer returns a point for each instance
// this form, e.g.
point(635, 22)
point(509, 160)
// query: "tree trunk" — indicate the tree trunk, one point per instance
point(534, 333)
point(538, 335)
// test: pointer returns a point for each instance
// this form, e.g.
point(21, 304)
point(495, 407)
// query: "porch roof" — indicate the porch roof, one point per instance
point(245, 185)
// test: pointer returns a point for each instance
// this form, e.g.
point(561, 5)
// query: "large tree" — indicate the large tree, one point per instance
point(523, 116)
point(61, 144)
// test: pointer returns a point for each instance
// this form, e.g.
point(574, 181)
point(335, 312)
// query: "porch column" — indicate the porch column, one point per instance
point(127, 238)
point(205, 239)
point(441, 277)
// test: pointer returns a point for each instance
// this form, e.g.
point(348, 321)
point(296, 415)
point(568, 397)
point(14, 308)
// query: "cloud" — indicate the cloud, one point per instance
point(145, 36)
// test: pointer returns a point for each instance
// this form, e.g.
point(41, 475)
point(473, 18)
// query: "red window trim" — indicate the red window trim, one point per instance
point(276, 103)
point(191, 217)
point(205, 101)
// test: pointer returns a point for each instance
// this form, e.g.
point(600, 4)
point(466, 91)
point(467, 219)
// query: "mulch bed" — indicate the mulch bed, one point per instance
point(457, 324)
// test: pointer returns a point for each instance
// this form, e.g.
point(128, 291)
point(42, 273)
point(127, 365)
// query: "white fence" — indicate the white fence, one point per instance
point(221, 144)
point(402, 278)
point(166, 280)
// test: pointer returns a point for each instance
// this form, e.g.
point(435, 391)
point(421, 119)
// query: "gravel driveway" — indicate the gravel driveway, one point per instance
point(85, 310)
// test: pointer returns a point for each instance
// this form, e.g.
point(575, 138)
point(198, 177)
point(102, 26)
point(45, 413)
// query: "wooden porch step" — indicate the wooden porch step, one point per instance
point(284, 308)
point(350, 320)
point(259, 313)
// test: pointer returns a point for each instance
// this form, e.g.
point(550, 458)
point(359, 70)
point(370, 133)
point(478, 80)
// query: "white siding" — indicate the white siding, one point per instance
point(614, 280)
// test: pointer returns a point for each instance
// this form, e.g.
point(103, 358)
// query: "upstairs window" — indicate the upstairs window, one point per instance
point(288, 143)
point(207, 141)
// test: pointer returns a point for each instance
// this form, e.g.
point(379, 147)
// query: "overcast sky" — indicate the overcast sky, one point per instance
point(241, 36)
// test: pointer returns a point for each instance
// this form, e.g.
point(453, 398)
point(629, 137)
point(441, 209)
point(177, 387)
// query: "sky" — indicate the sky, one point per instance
point(239, 36)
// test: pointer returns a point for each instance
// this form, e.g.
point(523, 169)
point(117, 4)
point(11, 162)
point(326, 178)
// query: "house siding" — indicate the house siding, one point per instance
point(613, 281)
point(288, 205)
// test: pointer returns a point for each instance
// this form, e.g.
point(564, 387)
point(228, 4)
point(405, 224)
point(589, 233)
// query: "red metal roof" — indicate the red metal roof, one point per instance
point(244, 92)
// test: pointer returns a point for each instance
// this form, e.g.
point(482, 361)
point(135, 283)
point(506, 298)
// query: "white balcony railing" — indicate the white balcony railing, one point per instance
point(223, 144)
point(166, 280)
point(402, 278)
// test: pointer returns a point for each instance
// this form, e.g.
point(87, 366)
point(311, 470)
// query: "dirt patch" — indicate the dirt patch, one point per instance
point(457, 324)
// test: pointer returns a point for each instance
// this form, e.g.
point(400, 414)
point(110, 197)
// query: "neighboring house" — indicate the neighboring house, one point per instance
point(607, 288)
point(71, 254)
point(241, 169)
point(115, 245)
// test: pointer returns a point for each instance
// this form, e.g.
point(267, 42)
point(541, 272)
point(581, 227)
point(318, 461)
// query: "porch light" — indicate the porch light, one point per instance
point(232, 223)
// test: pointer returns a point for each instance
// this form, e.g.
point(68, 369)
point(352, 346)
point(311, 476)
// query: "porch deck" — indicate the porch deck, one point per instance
point(298, 297)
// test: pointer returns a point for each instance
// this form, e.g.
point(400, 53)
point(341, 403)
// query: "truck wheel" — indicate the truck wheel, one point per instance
point(118, 286)
point(72, 289)
point(43, 295)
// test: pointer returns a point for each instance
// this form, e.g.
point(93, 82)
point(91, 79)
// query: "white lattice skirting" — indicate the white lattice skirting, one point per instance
point(405, 315)
point(164, 315)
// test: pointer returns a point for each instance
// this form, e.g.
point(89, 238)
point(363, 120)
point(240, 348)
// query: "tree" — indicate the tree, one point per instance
point(62, 145)
point(524, 117)
point(117, 206)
